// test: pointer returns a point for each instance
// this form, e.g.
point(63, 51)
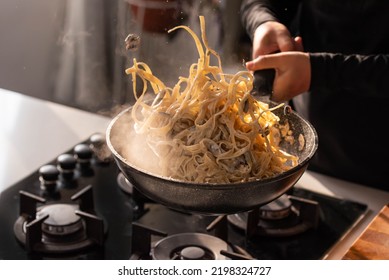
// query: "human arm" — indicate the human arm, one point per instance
point(297, 72)
point(256, 12)
point(266, 23)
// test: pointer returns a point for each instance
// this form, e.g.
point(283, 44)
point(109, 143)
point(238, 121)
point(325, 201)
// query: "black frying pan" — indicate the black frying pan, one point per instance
point(214, 199)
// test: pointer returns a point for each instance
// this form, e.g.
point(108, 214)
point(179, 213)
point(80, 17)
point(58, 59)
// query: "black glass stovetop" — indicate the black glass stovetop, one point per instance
point(119, 209)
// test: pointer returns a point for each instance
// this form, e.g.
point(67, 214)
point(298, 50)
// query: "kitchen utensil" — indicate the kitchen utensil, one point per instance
point(206, 198)
point(263, 82)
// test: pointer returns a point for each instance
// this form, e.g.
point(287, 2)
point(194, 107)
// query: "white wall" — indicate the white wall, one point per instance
point(29, 33)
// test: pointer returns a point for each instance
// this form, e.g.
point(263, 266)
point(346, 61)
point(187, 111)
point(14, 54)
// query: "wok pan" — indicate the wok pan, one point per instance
point(207, 198)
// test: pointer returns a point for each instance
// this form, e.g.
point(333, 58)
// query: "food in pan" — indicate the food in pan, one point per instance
point(208, 128)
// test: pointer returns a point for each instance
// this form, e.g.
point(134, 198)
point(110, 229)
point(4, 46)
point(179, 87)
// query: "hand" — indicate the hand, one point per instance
point(293, 73)
point(272, 37)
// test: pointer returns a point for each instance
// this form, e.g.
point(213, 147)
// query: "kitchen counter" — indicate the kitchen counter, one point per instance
point(36, 131)
point(375, 199)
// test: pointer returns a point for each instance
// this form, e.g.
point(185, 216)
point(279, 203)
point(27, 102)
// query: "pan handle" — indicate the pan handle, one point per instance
point(263, 82)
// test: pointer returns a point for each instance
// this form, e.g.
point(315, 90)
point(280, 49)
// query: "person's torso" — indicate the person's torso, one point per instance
point(347, 26)
point(351, 128)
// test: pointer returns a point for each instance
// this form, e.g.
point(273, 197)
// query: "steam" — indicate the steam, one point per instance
point(131, 146)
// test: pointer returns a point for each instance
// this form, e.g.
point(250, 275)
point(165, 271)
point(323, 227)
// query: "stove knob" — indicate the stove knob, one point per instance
point(84, 156)
point(48, 176)
point(99, 147)
point(67, 164)
point(83, 152)
point(97, 140)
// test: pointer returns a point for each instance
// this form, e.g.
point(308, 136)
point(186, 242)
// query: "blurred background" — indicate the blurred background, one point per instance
point(73, 52)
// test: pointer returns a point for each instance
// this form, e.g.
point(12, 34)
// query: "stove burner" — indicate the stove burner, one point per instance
point(277, 209)
point(286, 216)
point(61, 219)
point(58, 227)
point(190, 246)
point(187, 245)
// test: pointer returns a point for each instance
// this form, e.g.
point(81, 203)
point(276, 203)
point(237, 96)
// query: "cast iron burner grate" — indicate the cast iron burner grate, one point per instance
point(187, 245)
point(327, 220)
point(286, 216)
point(58, 227)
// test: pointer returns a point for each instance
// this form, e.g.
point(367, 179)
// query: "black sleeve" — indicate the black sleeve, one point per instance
point(256, 12)
point(366, 75)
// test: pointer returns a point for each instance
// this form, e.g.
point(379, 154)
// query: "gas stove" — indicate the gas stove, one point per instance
point(80, 206)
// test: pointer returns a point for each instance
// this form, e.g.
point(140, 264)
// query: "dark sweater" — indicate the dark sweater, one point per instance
point(348, 42)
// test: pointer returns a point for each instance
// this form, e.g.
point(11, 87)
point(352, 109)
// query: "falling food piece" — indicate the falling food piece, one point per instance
point(132, 42)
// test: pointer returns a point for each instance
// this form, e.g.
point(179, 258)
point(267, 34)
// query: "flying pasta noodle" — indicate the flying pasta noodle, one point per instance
point(208, 128)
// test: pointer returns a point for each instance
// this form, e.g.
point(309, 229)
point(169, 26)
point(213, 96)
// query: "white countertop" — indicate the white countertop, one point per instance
point(34, 132)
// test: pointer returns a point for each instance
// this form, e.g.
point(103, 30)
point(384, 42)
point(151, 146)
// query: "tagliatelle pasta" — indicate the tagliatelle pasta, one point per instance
point(208, 128)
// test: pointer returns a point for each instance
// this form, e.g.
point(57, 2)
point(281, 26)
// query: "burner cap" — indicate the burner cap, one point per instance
point(193, 253)
point(190, 246)
point(57, 227)
point(286, 216)
point(62, 219)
